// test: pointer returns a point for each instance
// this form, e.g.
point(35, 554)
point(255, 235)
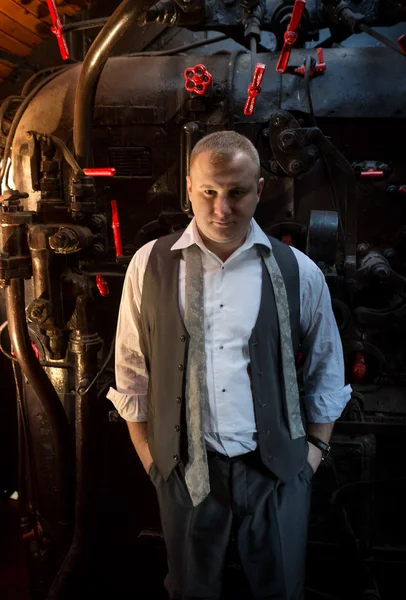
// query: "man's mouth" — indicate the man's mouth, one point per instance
point(223, 224)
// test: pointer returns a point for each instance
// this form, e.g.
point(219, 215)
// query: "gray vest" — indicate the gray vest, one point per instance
point(164, 343)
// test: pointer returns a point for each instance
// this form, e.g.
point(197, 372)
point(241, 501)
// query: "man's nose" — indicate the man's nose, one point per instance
point(221, 205)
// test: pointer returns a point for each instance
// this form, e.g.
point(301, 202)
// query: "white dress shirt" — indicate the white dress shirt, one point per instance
point(232, 293)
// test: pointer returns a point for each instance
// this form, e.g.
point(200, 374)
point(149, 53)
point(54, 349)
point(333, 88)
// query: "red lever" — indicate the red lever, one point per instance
point(372, 174)
point(319, 67)
point(106, 172)
point(116, 229)
point(290, 36)
point(287, 239)
point(30, 535)
point(102, 285)
point(359, 368)
point(57, 29)
point(254, 89)
point(402, 43)
point(198, 79)
point(35, 349)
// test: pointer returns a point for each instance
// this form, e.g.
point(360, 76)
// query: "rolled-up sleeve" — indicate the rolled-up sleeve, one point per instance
point(130, 395)
point(325, 391)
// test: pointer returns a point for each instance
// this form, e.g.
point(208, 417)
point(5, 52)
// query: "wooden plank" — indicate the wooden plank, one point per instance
point(67, 8)
point(5, 69)
point(12, 45)
point(18, 13)
point(18, 31)
point(39, 8)
point(35, 8)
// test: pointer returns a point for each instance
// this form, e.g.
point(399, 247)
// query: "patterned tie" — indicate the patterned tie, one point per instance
point(196, 470)
point(296, 428)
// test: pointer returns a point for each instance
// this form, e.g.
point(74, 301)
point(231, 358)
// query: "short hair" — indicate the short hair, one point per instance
point(224, 145)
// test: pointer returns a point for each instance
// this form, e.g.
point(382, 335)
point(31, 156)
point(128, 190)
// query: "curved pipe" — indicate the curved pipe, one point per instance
point(30, 366)
point(123, 18)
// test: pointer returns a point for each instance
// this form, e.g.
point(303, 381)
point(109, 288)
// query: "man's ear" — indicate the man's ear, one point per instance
point(188, 185)
point(260, 187)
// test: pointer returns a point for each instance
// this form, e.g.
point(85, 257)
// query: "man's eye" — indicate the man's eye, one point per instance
point(209, 192)
point(237, 192)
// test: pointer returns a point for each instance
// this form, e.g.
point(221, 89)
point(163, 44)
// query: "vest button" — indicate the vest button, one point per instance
point(178, 399)
point(183, 338)
point(260, 373)
point(175, 457)
point(180, 367)
point(177, 428)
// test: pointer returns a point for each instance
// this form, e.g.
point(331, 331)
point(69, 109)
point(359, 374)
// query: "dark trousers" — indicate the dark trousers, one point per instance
point(270, 519)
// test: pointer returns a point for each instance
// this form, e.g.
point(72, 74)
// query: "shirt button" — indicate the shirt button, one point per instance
point(175, 457)
point(177, 428)
point(221, 347)
point(180, 367)
point(221, 305)
point(183, 338)
point(178, 399)
point(223, 390)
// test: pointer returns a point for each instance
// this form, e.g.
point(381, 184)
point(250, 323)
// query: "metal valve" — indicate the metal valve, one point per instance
point(359, 367)
point(57, 30)
point(102, 285)
point(372, 174)
point(254, 89)
point(319, 67)
point(197, 79)
point(103, 172)
point(402, 43)
point(116, 229)
point(291, 35)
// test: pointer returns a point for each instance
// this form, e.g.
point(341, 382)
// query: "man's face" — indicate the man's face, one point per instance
point(224, 196)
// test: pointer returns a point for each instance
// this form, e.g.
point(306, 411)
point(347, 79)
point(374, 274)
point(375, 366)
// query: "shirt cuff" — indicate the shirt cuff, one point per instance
point(326, 408)
point(131, 407)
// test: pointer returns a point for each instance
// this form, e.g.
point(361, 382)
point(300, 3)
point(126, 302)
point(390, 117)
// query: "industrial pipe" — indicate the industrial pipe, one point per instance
point(30, 366)
point(123, 18)
point(84, 345)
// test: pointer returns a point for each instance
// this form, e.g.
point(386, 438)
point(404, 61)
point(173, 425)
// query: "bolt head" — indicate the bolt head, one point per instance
point(279, 119)
point(287, 139)
point(295, 167)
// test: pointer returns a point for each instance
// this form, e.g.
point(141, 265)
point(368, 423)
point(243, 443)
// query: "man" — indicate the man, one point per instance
point(210, 397)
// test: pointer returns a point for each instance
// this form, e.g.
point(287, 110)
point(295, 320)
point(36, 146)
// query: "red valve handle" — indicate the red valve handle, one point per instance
point(31, 534)
point(102, 285)
point(372, 174)
point(197, 79)
point(359, 368)
point(402, 43)
point(57, 29)
point(254, 89)
point(290, 35)
point(319, 67)
point(116, 229)
point(103, 172)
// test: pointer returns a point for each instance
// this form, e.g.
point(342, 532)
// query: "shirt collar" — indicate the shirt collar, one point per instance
point(191, 236)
